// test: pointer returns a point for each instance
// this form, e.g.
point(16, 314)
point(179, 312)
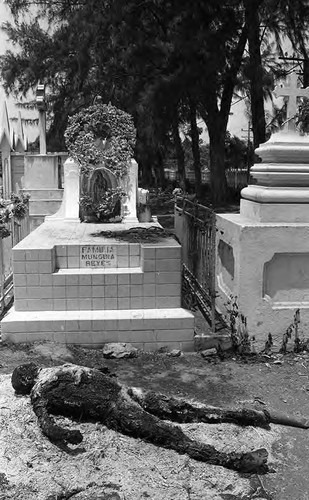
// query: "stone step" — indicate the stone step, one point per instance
point(97, 289)
point(44, 194)
point(46, 206)
point(146, 329)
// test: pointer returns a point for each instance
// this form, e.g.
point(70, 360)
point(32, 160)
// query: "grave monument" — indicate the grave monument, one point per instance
point(38, 175)
point(263, 252)
point(42, 176)
point(74, 285)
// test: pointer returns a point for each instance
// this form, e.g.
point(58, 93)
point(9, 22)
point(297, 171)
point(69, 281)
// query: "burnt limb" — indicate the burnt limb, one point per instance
point(89, 395)
point(48, 426)
point(178, 410)
point(129, 418)
point(181, 411)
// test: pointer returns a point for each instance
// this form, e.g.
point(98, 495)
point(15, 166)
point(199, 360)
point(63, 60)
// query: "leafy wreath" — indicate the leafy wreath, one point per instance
point(101, 134)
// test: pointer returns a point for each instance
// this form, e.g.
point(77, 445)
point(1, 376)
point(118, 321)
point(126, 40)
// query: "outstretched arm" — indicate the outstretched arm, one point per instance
point(47, 423)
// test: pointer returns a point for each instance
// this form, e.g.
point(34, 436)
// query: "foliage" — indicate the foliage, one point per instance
point(238, 153)
point(161, 201)
point(101, 134)
point(268, 344)
point(5, 216)
point(298, 344)
point(238, 326)
point(20, 205)
point(270, 23)
point(104, 210)
point(302, 119)
point(4, 230)
point(164, 62)
point(148, 66)
point(18, 208)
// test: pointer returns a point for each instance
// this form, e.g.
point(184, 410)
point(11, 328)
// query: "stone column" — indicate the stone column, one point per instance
point(129, 184)
point(263, 252)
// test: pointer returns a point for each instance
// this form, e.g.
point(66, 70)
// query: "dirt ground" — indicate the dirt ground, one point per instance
point(108, 465)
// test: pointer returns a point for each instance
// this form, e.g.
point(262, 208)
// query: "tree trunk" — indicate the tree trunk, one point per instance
point(195, 147)
point(147, 178)
point(88, 395)
point(216, 120)
point(219, 188)
point(179, 151)
point(216, 126)
point(144, 162)
point(255, 72)
point(159, 171)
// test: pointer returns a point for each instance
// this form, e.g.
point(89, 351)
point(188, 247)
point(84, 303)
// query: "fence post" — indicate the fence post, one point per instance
point(194, 242)
point(2, 277)
point(213, 272)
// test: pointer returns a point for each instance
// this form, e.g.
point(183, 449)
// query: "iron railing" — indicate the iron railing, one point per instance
point(195, 226)
point(19, 228)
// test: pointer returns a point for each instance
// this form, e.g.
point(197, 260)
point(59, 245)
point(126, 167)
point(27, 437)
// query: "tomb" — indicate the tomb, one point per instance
point(74, 285)
point(38, 175)
point(263, 252)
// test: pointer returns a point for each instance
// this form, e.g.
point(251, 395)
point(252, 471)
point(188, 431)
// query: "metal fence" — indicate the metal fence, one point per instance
point(19, 228)
point(195, 226)
point(235, 178)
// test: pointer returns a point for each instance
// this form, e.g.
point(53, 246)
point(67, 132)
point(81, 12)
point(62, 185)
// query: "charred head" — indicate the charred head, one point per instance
point(24, 377)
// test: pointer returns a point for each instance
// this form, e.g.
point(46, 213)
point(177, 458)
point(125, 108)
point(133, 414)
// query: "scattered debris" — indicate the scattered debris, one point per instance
point(53, 350)
point(119, 350)
point(150, 234)
point(175, 353)
point(162, 350)
point(204, 342)
point(209, 352)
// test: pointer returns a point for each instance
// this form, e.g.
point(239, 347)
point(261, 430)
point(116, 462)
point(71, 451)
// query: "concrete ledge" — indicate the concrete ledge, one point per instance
point(149, 329)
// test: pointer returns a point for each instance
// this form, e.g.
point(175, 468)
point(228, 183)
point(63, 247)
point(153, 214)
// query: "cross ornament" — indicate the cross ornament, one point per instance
point(292, 92)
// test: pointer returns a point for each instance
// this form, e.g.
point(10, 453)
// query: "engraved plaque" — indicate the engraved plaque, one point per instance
point(98, 256)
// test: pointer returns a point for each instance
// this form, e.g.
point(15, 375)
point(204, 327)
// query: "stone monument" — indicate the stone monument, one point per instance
point(263, 252)
point(74, 285)
point(42, 178)
point(38, 175)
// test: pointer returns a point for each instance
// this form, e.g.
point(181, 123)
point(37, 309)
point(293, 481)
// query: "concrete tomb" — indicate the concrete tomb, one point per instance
point(263, 252)
point(73, 285)
point(39, 175)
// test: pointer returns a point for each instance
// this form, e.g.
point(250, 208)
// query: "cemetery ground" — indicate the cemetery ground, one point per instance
point(108, 465)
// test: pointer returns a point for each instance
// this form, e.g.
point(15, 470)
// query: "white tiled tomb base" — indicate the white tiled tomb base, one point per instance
point(74, 287)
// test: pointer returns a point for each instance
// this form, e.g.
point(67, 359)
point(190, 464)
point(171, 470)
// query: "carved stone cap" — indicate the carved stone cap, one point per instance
point(280, 192)
point(283, 174)
point(285, 147)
